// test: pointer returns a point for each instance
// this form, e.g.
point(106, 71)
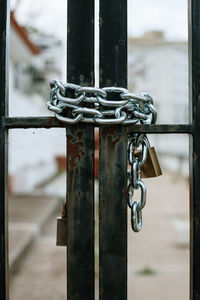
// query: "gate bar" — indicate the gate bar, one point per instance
point(52, 122)
point(80, 157)
point(194, 89)
point(4, 23)
point(113, 160)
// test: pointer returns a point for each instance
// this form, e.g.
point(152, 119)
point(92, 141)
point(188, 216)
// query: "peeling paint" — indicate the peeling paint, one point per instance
point(75, 150)
point(109, 131)
point(117, 139)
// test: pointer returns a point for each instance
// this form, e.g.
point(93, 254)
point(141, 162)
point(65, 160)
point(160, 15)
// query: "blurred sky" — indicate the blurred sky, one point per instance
point(143, 15)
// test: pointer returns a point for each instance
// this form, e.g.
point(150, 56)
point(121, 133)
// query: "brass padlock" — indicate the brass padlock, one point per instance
point(151, 166)
point(61, 238)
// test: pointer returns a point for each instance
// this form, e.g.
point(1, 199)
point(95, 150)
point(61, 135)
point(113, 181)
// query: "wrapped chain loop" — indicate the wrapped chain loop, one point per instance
point(72, 103)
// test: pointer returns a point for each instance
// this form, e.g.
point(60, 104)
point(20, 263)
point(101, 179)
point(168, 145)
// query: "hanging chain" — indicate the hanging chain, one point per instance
point(110, 105)
point(134, 178)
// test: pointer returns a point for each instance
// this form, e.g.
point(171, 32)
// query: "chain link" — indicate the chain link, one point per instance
point(134, 178)
point(72, 103)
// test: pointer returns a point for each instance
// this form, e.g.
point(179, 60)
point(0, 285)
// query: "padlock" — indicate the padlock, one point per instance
point(151, 166)
point(61, 238)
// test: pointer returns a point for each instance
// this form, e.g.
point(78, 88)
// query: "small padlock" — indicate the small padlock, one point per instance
point(61, 238)
point(151, 166)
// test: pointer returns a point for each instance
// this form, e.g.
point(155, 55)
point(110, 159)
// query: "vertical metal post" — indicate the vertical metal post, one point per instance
point(80, 157)
point(112, 163)
point(4, 20)
point(194, 85)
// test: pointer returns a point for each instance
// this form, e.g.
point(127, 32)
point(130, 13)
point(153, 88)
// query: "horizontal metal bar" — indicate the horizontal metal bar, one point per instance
point(160, 128)
point(51, 122)
point(32, 122)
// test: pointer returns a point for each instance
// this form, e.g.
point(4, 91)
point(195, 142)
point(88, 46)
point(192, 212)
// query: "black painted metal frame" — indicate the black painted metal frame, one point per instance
point(4, 22)
point(80, 140)
point(112, 157)
point(80, 154)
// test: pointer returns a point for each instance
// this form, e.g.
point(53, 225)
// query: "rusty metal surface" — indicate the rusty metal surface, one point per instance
point(80, 206)
point(113, 213)
point(4, 19)
point(61, 234)
point(194, 88)
point(112, 154)
point(80, 157)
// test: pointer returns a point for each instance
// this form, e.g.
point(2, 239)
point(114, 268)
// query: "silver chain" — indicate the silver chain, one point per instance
point(134, 178)
point(72, 103)
point(110, 105)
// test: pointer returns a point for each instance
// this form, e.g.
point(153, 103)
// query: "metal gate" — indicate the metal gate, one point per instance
point(112, 163)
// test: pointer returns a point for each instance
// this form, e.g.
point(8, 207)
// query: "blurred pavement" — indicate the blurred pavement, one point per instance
point(158, 256)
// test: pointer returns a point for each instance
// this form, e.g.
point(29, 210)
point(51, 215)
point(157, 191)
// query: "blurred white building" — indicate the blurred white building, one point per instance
point(31, 152)
point(160, 67)
point(23, 52)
